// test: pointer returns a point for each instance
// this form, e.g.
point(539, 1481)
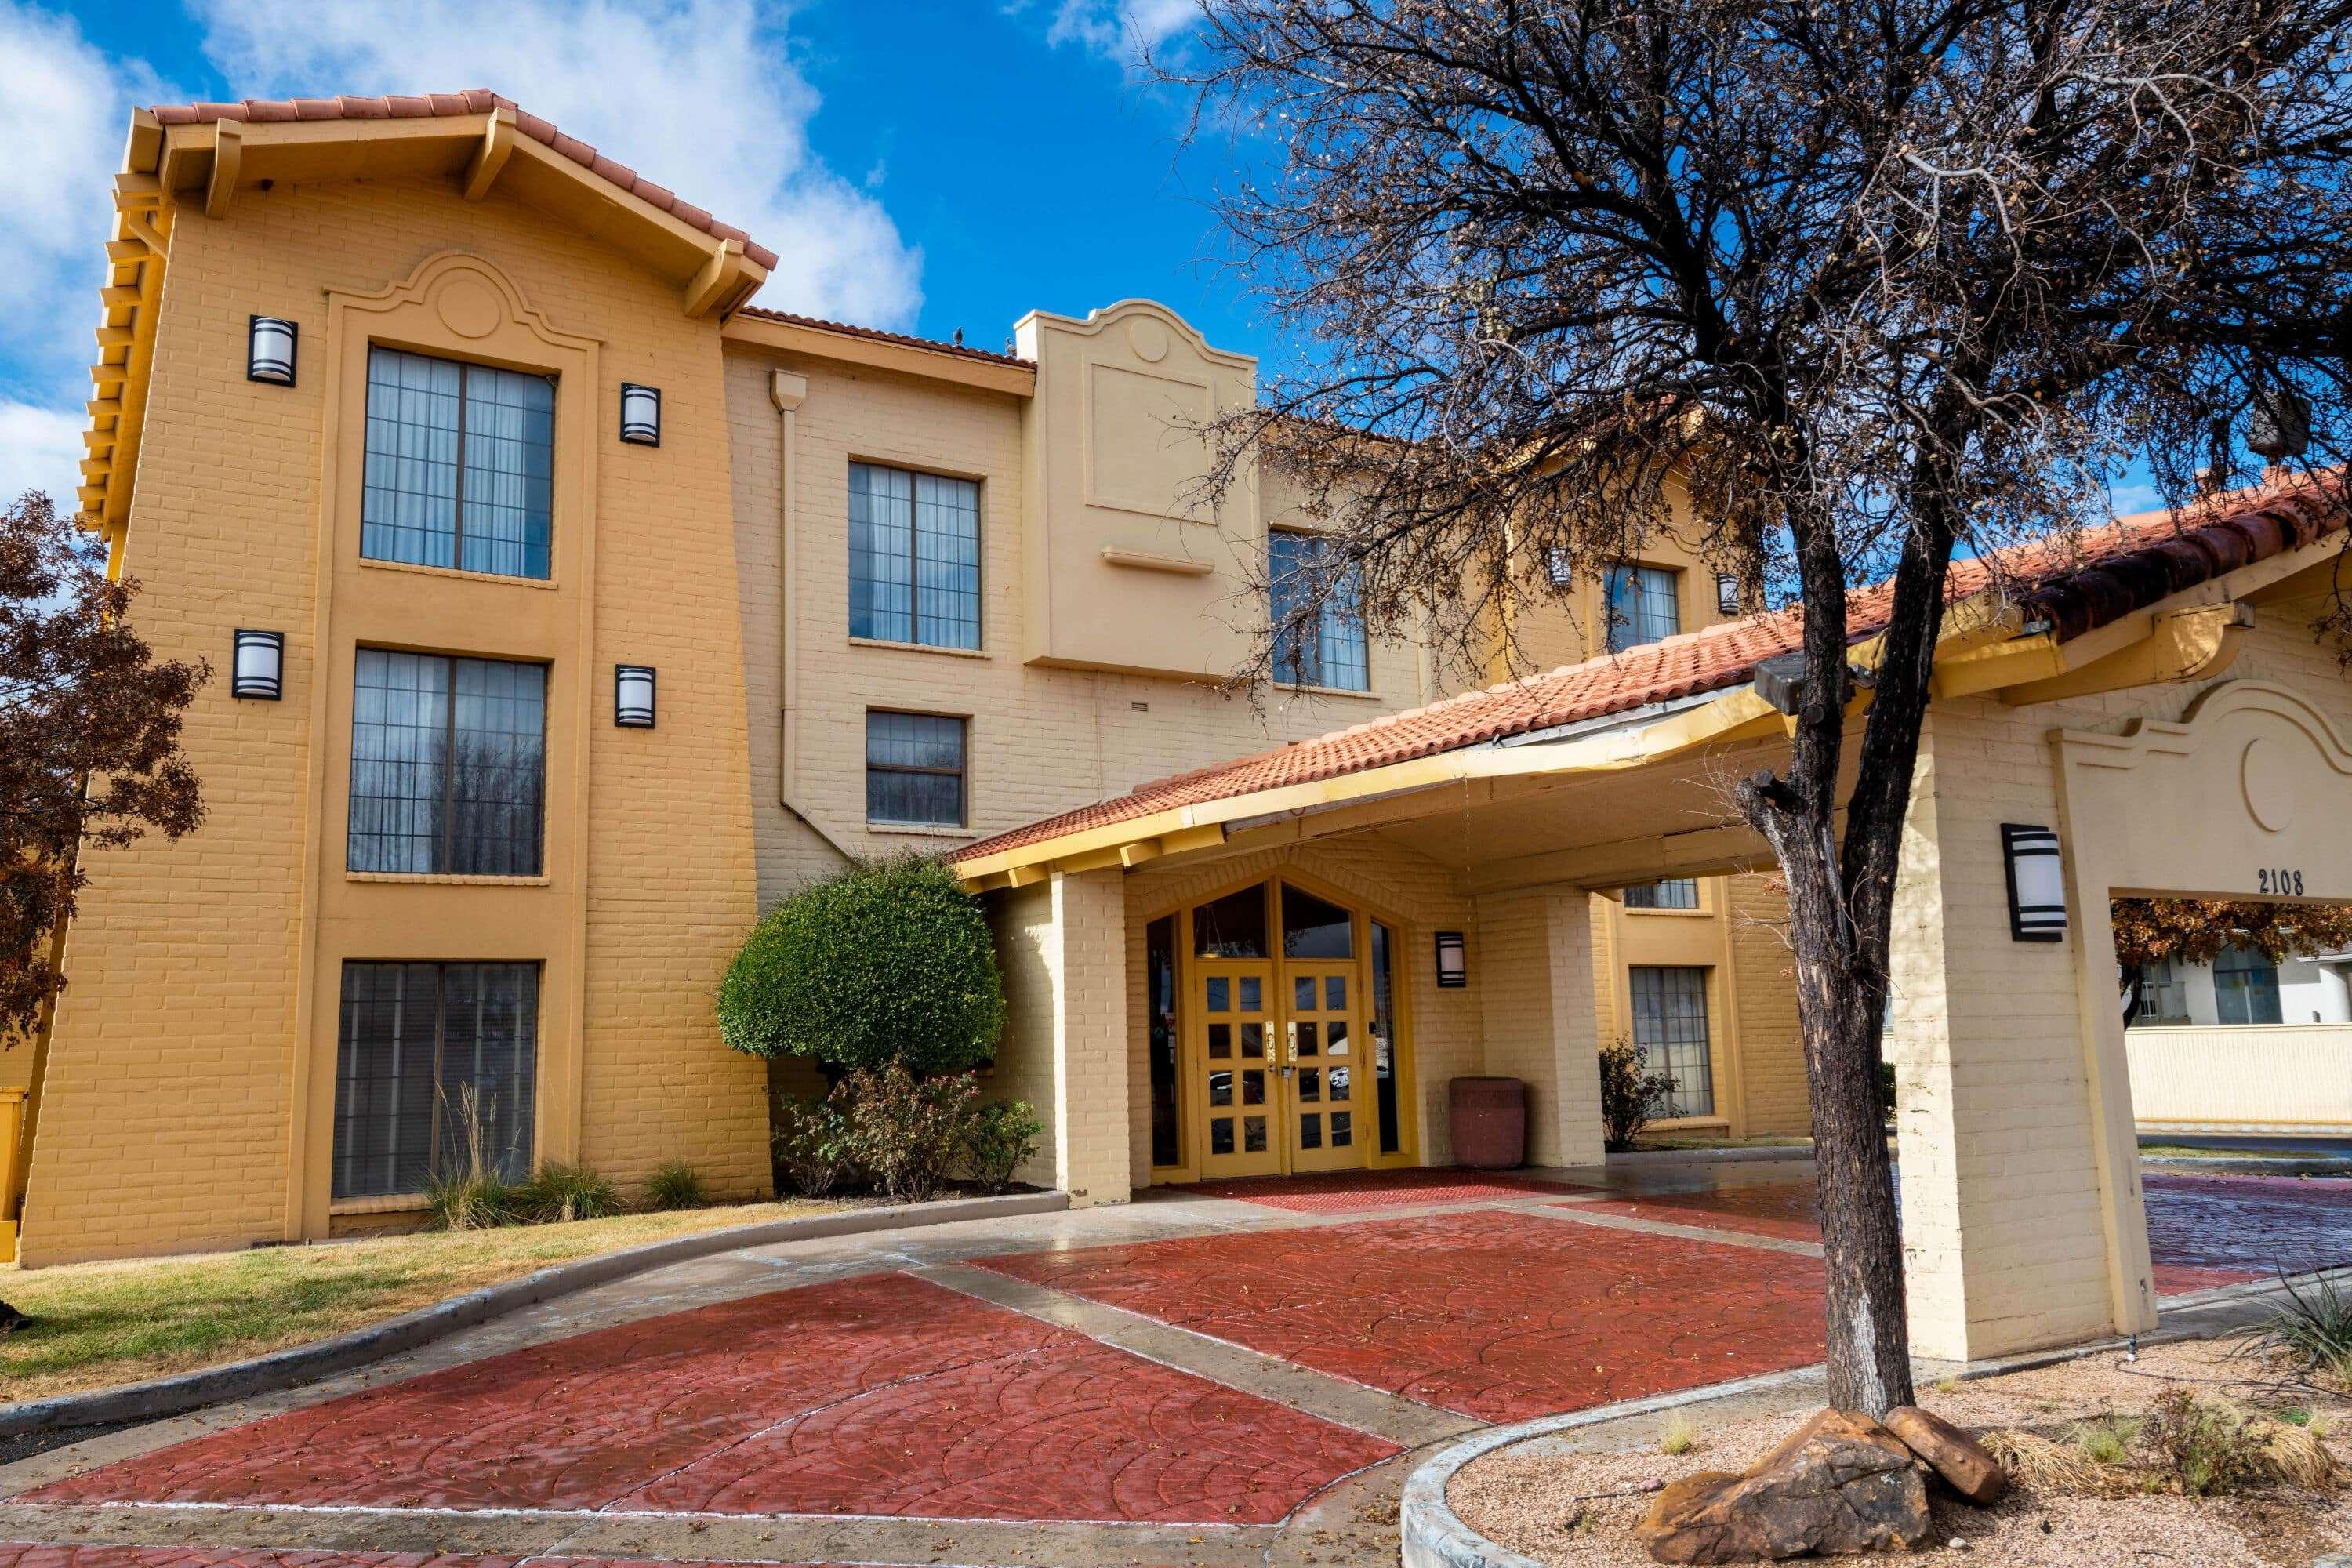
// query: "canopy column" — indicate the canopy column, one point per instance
point(1537, 1009)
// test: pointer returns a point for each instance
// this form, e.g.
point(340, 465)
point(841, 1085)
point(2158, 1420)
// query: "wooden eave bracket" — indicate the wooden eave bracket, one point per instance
point(228, 153)
point(723, 279)
point(2188, 644)
point(490, 157)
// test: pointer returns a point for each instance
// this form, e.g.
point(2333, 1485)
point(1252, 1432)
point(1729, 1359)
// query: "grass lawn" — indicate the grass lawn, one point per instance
point(2199, 1151)
point(100, 1323)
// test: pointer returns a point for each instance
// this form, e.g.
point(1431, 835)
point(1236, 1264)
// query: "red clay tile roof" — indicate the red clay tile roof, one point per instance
point(451, 105)
point(2094, 579)
point(934, 344)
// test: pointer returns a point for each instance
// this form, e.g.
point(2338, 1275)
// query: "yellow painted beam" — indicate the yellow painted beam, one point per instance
point(2192, 643)
point(717, 279)
point(490, 157)
point(228, 153)
point(1136, 853)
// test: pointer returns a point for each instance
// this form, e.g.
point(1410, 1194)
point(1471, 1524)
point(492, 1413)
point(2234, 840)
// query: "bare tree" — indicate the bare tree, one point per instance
point(1831, 288)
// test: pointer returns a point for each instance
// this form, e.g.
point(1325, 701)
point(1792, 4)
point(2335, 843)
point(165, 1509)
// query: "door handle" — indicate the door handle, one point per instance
point(1290, 1047)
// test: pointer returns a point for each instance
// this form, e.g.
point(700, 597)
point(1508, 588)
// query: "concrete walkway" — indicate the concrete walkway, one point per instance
point(1191, 1379)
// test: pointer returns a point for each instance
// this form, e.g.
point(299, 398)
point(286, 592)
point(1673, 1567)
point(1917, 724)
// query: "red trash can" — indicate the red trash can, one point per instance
point(1490, 1117)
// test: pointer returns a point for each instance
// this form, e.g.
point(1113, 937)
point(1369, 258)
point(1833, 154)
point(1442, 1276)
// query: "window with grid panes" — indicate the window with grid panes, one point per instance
point(433, 1059)
point(1669, 1027)
point(1671, 893)
point(1329, 651)
point(914, 557)
point(460, 465)
point(1642, 606)
point(914, 769)
point(448, 765)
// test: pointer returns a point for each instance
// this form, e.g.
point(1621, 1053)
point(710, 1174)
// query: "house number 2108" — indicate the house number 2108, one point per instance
point(2280, 881)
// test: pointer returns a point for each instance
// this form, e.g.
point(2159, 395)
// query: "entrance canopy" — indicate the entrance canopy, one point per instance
point(1618, 769)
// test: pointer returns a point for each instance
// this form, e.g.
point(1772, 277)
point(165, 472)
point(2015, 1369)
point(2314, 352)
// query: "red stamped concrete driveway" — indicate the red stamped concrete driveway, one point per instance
point(1495, 1314)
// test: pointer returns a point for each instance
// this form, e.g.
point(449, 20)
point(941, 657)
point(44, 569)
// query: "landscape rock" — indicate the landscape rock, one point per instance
point(1840, 1486)
point(1951, 1453)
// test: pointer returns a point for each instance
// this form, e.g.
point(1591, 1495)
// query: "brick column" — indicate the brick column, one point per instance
point(2015, 1233)
point(1532, 969)
point(1088, 962)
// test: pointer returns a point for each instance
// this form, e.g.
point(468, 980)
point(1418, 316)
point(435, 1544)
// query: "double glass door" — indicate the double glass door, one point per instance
point(1277, 1035)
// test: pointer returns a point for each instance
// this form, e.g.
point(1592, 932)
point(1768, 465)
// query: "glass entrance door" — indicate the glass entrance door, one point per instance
point(1239, 1095)
point(1319, 1067)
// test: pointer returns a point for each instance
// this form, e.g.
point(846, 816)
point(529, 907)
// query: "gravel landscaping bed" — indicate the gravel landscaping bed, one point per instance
point(1576, 1501)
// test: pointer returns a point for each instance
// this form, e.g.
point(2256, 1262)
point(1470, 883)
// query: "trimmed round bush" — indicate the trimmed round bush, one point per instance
point(889, 962)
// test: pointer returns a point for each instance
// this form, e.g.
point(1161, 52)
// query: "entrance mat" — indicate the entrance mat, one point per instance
point(883, 1394)
point(1355, 1191)
point(1493, 1313)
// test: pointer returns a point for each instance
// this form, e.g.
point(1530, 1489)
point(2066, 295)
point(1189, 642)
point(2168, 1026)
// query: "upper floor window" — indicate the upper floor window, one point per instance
point(1673, 893)
point(448, 765)
point(914, 769)
point(914, 557)
point(460, 465)
point(1329, 651)
point(1642, 606)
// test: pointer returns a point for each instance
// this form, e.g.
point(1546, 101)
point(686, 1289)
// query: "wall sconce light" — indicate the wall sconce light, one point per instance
point(640, 414)
point(259, 669)
point(2037, 883)
point(269, 350)
point(1726, 592)
point(1453, 962)
point(633, 695)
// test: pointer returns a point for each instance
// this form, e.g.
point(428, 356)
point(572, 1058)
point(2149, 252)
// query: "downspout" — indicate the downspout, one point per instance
point(788, 392)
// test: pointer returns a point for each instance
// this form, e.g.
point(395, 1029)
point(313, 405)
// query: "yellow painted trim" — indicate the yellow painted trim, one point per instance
point(228, 156)
point(498, 146)
point(879, 353)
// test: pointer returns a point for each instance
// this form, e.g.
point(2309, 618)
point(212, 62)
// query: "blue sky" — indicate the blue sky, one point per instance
point(921, 165)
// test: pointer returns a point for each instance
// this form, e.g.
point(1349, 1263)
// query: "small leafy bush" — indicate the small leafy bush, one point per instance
point(814, 1152)
point(888, 962)
point(677, 1185)
point(560, 1191)
point(1629, 1090)
point(1001, 1135)
point(906, 1132)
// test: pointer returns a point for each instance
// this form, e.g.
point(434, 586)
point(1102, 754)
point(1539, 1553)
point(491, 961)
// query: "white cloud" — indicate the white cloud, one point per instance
point(39, 450)
point(701, 96)
point(1120, 30)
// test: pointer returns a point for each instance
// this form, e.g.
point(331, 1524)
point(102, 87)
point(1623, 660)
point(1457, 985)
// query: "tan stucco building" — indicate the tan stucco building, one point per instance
point(362, 388)
point(578, 610)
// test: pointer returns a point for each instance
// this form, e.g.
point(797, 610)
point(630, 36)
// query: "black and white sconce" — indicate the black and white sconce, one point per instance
point(1453, 960)
point(633, 695)
point(258, 670)
point(2037, 883)
point(1726, 594)
point(269, 350)
point(640, 413)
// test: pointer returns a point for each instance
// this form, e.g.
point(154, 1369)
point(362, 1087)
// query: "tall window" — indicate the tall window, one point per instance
point(1670, 1024)
point(1673, 893)
point(914, 769)
point(1330, 651)
point(1159, 1002)
point(448, 765)
point(1642, 606)
point(432, 1060)
point(2245, 987)
point(460, 465)
point(914, 557)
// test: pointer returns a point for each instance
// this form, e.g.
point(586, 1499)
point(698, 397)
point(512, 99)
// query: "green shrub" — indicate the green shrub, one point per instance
point(2314, 1327)
point(999, 1136)
point(1629, 1092)
point(814, 1153)
point(465, 1201)
point(906, 1131)
point(560, 1191)
point(677, 1185)
point(889, 962)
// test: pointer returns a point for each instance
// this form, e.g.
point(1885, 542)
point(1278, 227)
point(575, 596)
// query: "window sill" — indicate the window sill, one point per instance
point(1328, 691)
point(920, 648)
point(444, 879)
point(921, 830)
point(1689, 1125)
point(397, 1203)
point(458, 573)
point(1674, 914)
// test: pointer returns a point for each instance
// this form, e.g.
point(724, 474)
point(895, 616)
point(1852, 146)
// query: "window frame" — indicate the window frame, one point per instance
point(465, 368)
point(914, 558)
point(1656, 892)
point(1287, 670)
point(1620, 638)
point(961, 774)
point(1673, 1106)
point(446, 841)
point(2234, 960)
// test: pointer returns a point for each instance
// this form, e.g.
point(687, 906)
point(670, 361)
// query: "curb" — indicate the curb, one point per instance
point(1709, 1156)
point(1433, 1536)
point(2250, 1165)
point(186, 1390)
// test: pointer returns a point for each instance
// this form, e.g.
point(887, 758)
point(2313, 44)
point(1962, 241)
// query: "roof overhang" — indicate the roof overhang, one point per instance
point(876, 351)
point(198, 170)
